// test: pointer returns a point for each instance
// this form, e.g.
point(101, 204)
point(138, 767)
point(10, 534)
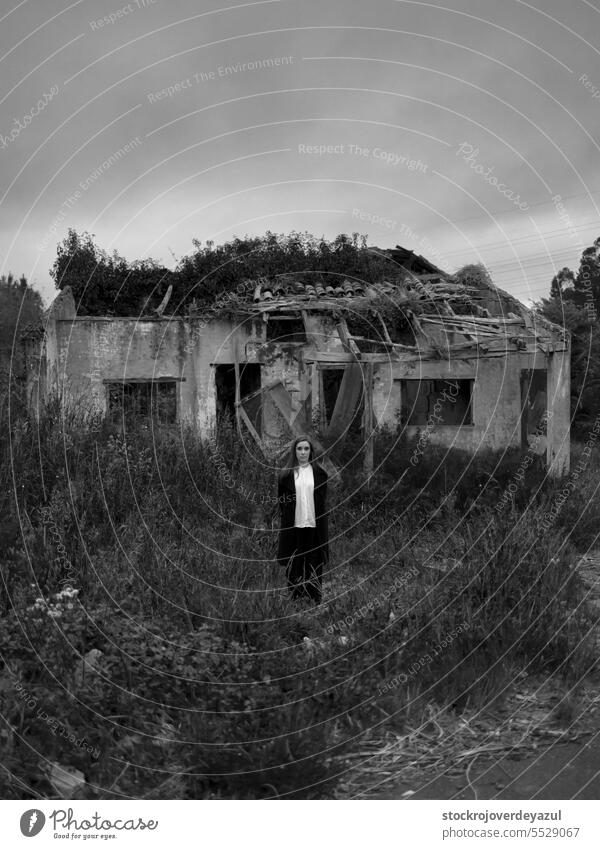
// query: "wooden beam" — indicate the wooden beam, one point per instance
point(312, 337)
point(347, 341)
point(390, 344)
point(296, 423)
point(469, 350)
point(368, 422)
point(236, 365)
point(340, 357)
point(415, 321)
point(315, 305)
point(455, 327)
point(305, 388)
point(345, 404)
point(259, 391)
point(385, 330)
point(282, 400)
point(240, 410)
point(470, 319)
point(322, 411)
point(163, 304)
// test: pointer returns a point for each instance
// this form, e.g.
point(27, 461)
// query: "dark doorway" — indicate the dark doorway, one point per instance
point(342, 400)
point(250, 381)
point(332, 380)
point(534, 406)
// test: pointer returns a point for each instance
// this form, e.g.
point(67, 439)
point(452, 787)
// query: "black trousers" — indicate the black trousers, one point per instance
point(305, 572)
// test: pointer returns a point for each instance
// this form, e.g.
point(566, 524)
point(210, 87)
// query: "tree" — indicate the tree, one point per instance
point(583, 288)
point(587, 282)
point(562, 285)
point(19, 305)
point(563, 309)
point(104, 284)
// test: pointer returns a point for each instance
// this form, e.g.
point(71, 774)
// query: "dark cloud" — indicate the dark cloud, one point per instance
point(224, 104)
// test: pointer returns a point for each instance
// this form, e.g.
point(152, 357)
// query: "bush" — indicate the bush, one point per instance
point(177, 667)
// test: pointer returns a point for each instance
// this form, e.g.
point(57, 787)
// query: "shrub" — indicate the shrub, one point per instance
point(180, 659)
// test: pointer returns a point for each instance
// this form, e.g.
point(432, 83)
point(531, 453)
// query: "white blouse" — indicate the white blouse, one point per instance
point(305, 502)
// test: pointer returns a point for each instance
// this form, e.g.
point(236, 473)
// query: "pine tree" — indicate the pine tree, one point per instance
point(574, 303)
point(587, 283)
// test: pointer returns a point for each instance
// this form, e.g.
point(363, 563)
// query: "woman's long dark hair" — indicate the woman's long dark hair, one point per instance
point(292, 462)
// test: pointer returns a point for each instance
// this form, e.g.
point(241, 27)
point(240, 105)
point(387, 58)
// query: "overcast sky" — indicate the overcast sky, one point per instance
point(449, 128)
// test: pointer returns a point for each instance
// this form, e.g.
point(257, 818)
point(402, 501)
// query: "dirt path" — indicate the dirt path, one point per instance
point(542, 743)
point(569, 771)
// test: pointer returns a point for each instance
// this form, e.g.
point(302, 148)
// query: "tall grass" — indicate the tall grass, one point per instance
point(210, 682)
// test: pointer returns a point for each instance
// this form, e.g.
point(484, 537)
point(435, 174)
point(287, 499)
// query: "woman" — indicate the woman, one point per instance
point(303, 539)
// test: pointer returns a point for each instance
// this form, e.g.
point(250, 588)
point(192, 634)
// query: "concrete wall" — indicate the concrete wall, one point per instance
point(559, 401)
point(496, 401)
point(81, 354)
point(41, 352)
point(91, 351)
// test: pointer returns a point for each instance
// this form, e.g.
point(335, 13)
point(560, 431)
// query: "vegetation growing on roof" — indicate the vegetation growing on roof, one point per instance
point(107, 284)
point(394, 313)
point(474, 274)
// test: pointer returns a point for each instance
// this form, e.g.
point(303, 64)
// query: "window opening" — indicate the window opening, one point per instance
point(450, 401)
point(286, 330)
point(130, 401)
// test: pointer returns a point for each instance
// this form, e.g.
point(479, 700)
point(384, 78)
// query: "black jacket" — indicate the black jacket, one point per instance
point(286, 493)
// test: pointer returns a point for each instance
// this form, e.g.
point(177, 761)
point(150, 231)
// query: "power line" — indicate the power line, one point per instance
point(533, 237)
point(532, 261)
point(518, 212)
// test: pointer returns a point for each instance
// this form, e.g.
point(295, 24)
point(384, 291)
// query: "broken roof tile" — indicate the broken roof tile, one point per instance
point(452, 309)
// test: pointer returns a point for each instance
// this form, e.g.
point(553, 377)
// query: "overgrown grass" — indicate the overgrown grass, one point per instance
point(209, 683)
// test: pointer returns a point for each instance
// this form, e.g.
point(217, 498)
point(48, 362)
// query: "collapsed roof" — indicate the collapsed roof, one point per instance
point(420, 311)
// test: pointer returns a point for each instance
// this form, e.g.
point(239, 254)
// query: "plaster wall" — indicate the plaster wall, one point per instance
point(496, 402)
point(559, 401)
point(81, 354)
point(91, 351)
point(322, 333)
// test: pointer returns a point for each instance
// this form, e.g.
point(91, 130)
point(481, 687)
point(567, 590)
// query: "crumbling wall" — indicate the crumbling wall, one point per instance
point(80, 355)
point(92, 351)
point(322, 334)
point(495, 400)
point(89, 352)
point(559, 402)
point(209, 343)
point(41, 350)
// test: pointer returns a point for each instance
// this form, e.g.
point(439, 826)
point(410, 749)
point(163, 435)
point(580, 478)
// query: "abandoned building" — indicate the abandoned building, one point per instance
point(468, 362)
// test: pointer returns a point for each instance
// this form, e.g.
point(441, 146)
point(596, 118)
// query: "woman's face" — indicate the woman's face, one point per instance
point(303, 452)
